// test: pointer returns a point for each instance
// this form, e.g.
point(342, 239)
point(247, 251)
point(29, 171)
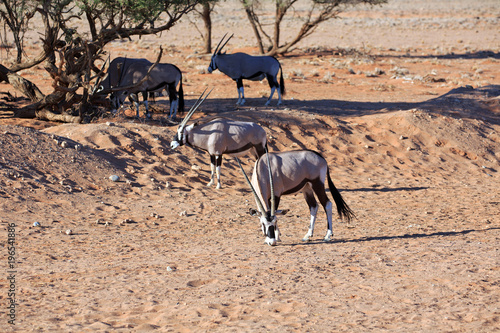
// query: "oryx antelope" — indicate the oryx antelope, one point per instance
point(241, 66)
point(125, 72)
point(219, 137)
point(277, 174)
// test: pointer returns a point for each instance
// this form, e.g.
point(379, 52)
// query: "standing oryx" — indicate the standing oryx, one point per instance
point(221, 137)
point(241, 66)
point(277, 174)
point(123, 72)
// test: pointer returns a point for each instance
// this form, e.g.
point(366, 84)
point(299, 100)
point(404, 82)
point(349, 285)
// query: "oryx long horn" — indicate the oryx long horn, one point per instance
point(225, 43)
point(194, 107)
point(99, 78)
point(273, 200)
point(220, 42)
point(261, 206)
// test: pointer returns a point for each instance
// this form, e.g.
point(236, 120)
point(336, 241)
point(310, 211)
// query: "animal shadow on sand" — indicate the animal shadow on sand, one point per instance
point(395, 237)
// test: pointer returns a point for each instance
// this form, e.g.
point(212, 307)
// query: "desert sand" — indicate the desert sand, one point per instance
point(404, 103)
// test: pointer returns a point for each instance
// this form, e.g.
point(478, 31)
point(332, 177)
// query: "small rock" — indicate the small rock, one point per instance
point(183, 213)
point(64, 144)
point(114, 178)
point(195, 167)
point(169, 269)
point(110, 123)
point(78, 147)
point(36, 224)
point(69, 232)
point(126, 221)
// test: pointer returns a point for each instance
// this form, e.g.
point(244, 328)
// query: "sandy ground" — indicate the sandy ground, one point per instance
point(409, 126)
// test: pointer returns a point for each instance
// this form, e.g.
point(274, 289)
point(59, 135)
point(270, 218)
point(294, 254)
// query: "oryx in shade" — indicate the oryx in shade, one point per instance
point(125, 72)
point(241, 66)
point(219, 137)
point(277, 174)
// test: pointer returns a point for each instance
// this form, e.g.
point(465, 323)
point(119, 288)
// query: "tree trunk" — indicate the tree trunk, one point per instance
point(45, 114)
point(27, 88)
point(205, 15)
point(251, 19)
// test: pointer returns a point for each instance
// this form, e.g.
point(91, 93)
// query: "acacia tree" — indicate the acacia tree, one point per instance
point(204, 11)
point(318, 11)
point(70, 56)
point(16, 14)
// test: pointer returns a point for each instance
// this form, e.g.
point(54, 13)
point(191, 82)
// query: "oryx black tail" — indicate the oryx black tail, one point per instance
point(282, 82)
point(181, 97)
point(342, 208)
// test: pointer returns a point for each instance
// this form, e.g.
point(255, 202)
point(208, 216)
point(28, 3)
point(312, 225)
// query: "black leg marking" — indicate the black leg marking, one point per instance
point(319, 188)
point(261, 150)
point(218, 160)
point(311, 201)
point(273, 82)
point(239, 83)
point(172, 93)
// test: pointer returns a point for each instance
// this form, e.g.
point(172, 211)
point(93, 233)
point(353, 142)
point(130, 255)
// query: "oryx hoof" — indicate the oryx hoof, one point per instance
point(308, 236)
point(218, 187)
point(270, 241)
point(328, 236)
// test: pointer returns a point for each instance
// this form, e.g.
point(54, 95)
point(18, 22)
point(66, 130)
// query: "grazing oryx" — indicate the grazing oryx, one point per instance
point(219, 137)
point(277, 174)
point(125, 72)
point(241, 66)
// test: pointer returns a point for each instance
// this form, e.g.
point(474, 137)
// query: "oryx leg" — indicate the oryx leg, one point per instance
point(273, 84)
point(145, 95)
point(260, 150)
point(277, 230)
point(174, 102)
point(134, 99)
point(313, 208)
point(215, 164)
point(218, 160)
point(319, 188)
point(212, 170)
point(241, 92)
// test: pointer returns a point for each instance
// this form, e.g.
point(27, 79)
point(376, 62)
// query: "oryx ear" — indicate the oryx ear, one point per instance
point(253, 212)
point(282, 211)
